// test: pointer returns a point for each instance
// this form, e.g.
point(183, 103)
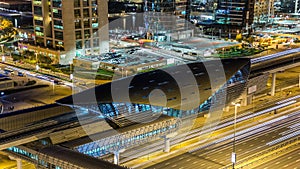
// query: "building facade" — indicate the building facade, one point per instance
point(263, 10)
point(235, 16)
point(71, 27)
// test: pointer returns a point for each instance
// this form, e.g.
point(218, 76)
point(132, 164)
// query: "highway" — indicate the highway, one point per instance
point(33, 97)
point(129, 155)
point(247, 144)
point(289, 160)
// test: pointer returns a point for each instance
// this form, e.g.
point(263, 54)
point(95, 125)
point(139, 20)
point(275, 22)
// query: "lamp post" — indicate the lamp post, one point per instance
point(233, 155)
point(71, 72)
point(37, 64)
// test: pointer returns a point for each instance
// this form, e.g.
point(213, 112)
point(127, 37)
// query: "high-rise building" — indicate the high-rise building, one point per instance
point(72, 27)
point(167, 19)
point(263, 10)
point(235, 16)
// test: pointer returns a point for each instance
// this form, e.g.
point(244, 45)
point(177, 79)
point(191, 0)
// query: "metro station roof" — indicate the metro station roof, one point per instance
point(75, 158)
point(172, 81)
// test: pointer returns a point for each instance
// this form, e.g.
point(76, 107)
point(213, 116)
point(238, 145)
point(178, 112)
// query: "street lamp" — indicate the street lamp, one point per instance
point(37, 64)
point(71, 73)
point(233, 155)
point(37, 67)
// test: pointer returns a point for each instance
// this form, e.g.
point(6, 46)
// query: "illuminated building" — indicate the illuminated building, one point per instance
point(71, 27)
point(235, 16)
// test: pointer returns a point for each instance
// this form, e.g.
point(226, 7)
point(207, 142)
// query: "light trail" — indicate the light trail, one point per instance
point(276, 55)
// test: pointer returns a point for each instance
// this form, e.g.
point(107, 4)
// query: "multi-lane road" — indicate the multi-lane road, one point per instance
point(247, 144)
point(34, 97)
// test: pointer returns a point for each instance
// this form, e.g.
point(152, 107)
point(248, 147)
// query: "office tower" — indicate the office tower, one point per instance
point(263, 10)
point(71, 27)
point(235, 16)
point(167, 19)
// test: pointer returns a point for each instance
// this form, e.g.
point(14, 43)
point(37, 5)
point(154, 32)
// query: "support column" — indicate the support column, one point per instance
point(226, 109)
point(19, 163)
point(116, 157)
point(273, 84)
point(299, 81)
point(244, 101)
point(250, 99)
point(167, 144)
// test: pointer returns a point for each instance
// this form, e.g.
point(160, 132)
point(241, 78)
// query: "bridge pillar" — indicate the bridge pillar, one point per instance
point(19, 163)
point(116, 157)
point(167, 144)
point(273, 84)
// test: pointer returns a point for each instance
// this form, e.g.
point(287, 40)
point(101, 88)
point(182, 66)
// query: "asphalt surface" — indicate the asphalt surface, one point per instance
point(33, 97)
point(290, 160)
point(220, 156)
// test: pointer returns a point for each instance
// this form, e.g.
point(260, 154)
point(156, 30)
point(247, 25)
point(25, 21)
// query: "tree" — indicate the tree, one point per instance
point(6, 24)
point(239, 37)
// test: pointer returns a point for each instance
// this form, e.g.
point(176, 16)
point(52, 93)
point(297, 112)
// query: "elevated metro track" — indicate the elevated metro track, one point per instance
point(275, 61)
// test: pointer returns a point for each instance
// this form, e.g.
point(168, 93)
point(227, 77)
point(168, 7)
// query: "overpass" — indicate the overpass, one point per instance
point(274, 63)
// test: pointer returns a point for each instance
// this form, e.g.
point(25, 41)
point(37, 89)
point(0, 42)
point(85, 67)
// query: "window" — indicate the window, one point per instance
point(56, 3)
point(37, 2)
point(76, 3)
point(58, 24)
point(86, 13)
point(49, 43)
point(58, 35)
point(78, 35)
point(95, 23)
point(59, 45)
point(39, 33)
point(87, 44)
point(77, 13)
point(37, 28)
point(86, 23)
point(85, 3)
point(38, 10)
point(87, 34)
point(77, 24)
point(79, 44)
point(94, 12)
point(96, 42)
point(57, 13)
point(38, 22)
point(95, 33)
point(94, 3)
